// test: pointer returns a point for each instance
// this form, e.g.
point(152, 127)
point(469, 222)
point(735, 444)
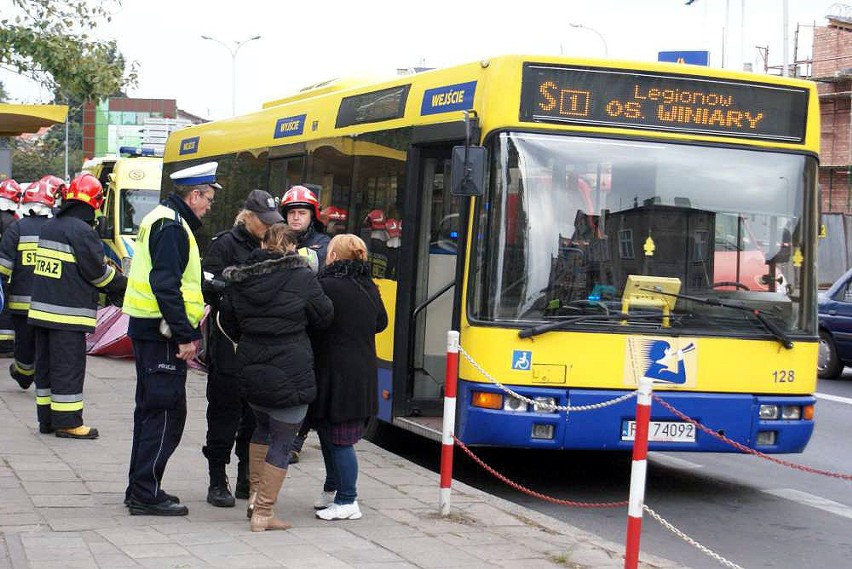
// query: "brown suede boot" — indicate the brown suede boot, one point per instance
point(257, 462)
point(263, 517)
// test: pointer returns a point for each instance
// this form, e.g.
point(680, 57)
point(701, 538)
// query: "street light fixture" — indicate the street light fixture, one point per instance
point(594, 31)
point(233, 51)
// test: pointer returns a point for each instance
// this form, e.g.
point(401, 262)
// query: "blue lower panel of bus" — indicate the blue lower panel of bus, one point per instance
point(610, 428)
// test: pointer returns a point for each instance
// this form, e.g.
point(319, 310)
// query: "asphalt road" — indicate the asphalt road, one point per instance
point(751, 511)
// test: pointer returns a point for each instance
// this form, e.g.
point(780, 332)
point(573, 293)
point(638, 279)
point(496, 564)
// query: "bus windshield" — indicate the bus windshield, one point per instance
point(133, 206)
point(569, 222)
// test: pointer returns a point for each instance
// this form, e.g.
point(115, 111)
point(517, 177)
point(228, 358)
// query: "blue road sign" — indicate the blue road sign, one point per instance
point(688, 57)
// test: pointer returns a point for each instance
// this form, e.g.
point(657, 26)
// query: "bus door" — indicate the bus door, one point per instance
point(431, 306)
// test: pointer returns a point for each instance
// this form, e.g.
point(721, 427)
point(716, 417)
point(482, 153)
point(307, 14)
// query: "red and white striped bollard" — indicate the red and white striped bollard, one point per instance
point(637, 474)
point(450, 389)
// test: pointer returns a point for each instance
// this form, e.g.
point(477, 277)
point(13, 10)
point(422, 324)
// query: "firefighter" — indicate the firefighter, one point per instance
point(165, 304)
point(230, 420)
point(10, 197)
point(302, 213)
point(17, 261)
point(69, 273)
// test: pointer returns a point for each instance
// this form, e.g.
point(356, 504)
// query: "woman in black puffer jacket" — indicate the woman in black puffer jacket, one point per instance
point(347, 392)
point(272, 303)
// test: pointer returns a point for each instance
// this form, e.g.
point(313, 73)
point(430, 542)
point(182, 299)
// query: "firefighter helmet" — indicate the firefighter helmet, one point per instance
point(376, 219)
point(334, 213)
point(57, 185)
point(393, 227)
point(87, 189)
point(39, 192)
point(300, 196)
point(11, 190)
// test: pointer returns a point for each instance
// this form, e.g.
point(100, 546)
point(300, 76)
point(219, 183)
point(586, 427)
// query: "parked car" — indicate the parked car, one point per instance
point(835, 328)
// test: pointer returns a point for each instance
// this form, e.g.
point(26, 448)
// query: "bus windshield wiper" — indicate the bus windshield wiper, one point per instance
point(548, 326)
point(768, 325)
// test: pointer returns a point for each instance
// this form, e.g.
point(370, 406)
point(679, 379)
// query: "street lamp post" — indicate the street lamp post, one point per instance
point(594, 31)
point(233, 51)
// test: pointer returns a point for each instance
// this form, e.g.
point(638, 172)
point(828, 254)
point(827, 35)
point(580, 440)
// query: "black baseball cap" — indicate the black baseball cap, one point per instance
point(264, 206)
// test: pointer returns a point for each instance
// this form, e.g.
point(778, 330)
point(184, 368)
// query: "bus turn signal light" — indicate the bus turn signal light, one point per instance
point(487, 400)
point(808, 412)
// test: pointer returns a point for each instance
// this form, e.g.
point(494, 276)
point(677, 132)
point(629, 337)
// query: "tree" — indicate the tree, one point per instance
point(47, 41)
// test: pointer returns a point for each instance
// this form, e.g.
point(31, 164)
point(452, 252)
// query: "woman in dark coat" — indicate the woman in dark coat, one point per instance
point(346, 372)
point(272, 303)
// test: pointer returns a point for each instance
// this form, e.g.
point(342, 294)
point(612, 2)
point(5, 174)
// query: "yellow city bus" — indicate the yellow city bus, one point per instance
point(631, 219)
point(131, 184)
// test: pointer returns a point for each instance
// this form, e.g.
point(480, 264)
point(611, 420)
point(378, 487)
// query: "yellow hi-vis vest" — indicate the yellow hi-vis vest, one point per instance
point(139, 299)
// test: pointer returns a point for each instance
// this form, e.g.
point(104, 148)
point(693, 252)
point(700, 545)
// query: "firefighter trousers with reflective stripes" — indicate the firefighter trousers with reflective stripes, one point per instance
point(158, 419)
point(60, 360)
point(24, 344)
point(230, 419)
point(7, 332)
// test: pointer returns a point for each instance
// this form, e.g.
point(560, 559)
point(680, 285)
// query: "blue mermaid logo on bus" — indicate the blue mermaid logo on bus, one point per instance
point(667, 361)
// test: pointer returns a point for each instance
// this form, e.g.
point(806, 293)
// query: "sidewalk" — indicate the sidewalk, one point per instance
point(61, 504)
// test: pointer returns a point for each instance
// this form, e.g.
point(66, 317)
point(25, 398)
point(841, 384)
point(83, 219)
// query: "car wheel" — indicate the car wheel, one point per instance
point(828, 366)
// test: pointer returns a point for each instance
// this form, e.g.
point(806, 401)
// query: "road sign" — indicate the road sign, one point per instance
point(688, 57)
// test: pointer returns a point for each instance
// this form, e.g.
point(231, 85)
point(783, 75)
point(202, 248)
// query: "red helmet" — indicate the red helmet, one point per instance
point(87, 189)
point(300, 196)
point(57, 185)
point(376, 219)
point(393, 227)
point(10, 190)
point(334, 213)
point(39, 192)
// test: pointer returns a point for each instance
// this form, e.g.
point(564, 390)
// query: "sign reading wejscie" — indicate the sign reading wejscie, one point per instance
point(644, 100)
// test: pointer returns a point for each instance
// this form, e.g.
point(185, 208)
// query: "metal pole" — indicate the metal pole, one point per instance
point(784, 70)
point(638, 471)
point(449, 427)
point(233, 52)
point(67, 115)
point(594, 31)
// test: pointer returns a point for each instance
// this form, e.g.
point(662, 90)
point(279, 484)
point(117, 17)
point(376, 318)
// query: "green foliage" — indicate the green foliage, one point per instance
point(47, 41)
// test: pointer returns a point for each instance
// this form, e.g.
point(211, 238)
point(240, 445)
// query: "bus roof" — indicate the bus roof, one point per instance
point(354, 107)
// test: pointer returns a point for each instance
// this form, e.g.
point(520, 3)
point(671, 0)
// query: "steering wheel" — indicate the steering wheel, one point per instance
point(734, 284)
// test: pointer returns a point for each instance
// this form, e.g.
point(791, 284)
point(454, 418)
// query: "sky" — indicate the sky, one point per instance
point(303, 43)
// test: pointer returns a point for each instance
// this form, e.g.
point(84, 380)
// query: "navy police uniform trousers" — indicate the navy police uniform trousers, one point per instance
point(159, 418)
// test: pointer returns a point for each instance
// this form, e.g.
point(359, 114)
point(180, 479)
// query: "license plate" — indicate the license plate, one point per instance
point(661, 431)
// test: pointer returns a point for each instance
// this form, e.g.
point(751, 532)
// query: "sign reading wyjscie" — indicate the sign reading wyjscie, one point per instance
point(653, 101)
point(290, 126)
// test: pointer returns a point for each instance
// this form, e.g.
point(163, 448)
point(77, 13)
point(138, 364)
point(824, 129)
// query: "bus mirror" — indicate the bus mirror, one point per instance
point(468, 170)
point(101, 227)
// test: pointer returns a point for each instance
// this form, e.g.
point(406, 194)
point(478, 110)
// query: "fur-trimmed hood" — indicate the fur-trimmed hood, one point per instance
point(263, 263)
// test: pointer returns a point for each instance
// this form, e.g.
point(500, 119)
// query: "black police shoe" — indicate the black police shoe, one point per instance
point(167, 496)
point(22, 380)
point(45, 429)
point(164, 508)
point(221, 497)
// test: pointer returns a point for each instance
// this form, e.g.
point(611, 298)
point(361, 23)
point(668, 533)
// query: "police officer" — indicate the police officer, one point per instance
point(10, 196)
point(17, 261)
point(228, 414)
point(69, 273)
point(165, 304)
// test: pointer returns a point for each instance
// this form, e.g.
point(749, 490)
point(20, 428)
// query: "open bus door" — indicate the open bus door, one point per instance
point(428, 303)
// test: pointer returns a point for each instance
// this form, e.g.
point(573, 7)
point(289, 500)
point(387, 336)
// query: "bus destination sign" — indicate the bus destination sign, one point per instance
point(651, 101)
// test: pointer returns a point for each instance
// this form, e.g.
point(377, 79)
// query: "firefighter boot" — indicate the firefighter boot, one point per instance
point(81, 432)
point(263, 518)
point(22, 380)
point(257, 462)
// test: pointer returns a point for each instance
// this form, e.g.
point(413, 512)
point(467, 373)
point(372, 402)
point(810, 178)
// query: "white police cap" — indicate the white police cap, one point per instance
point(197, 175)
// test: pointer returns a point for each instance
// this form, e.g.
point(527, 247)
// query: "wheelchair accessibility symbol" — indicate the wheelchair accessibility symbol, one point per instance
point(521, 360)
